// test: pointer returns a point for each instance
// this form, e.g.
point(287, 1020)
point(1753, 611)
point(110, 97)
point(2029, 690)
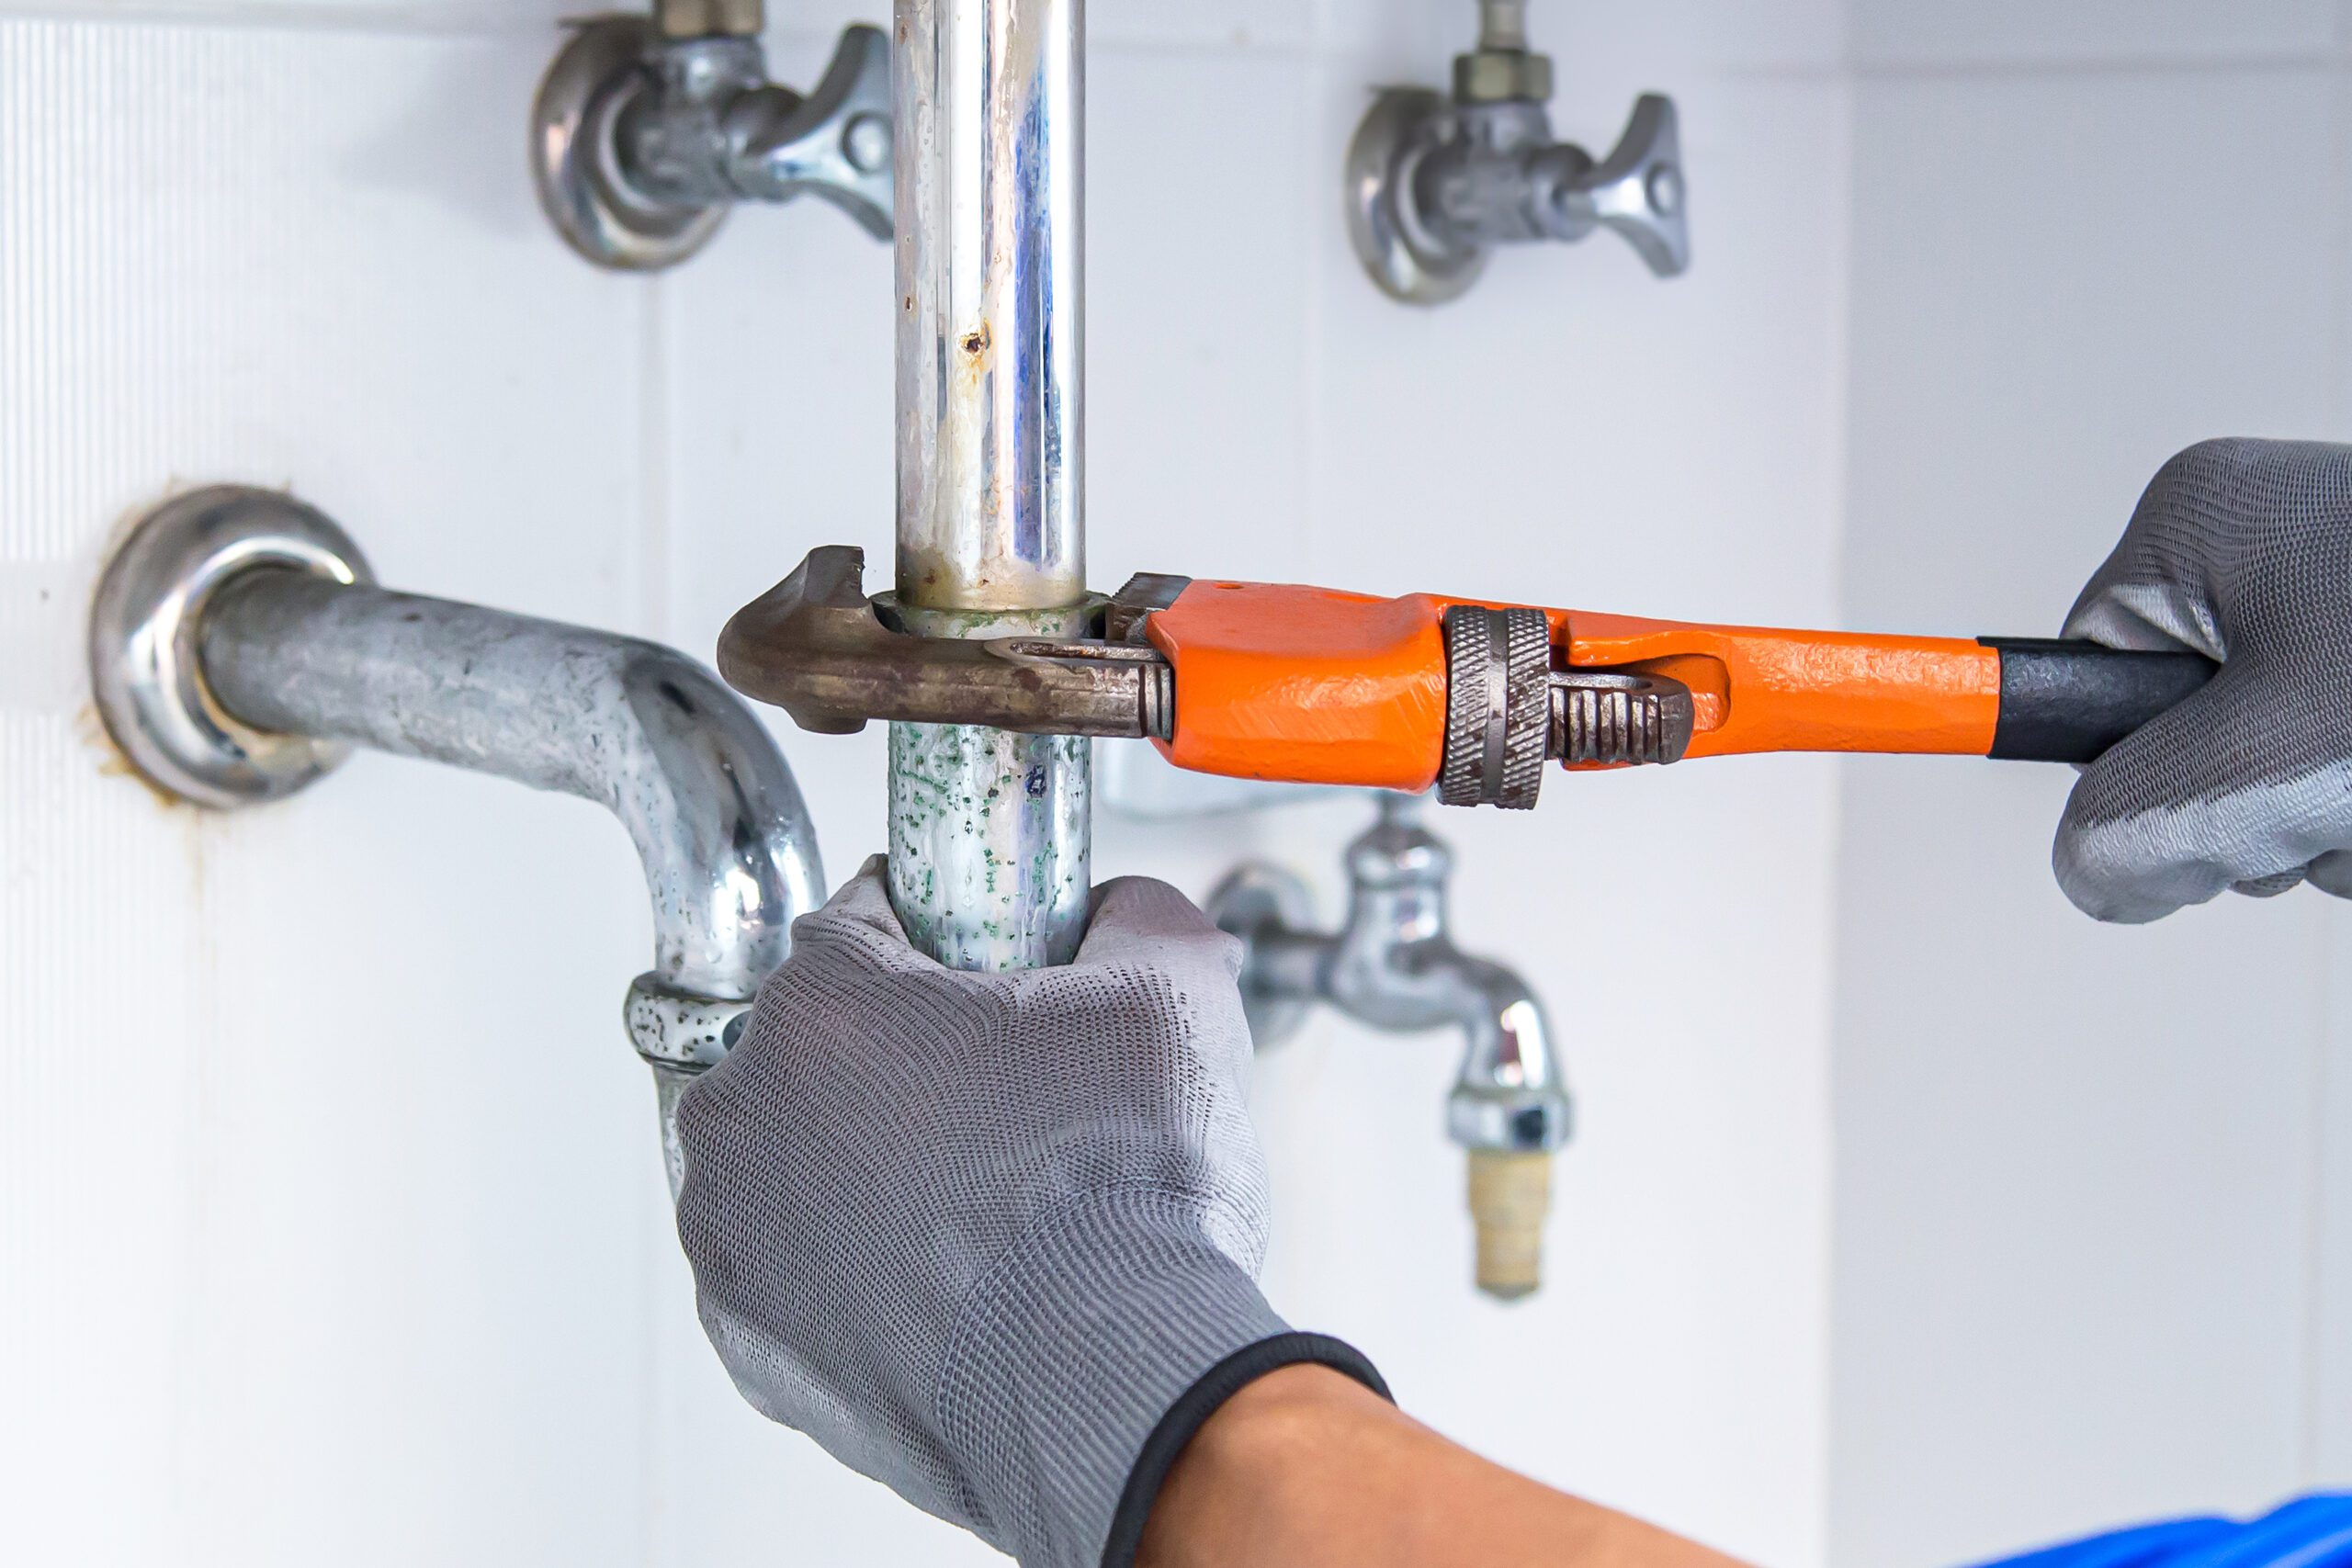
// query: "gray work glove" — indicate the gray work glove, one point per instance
point(2241, 550)
point(992, 1239)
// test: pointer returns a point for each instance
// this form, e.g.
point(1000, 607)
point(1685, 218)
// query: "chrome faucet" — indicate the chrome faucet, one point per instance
point(1436, 181)
point(1395, 967)
point(649, 129)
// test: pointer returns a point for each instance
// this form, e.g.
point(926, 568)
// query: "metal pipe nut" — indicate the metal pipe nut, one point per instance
point(1502, 76)
point(711, 19)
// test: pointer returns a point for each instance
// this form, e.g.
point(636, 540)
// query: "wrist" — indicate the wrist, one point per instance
point(1304, 1469)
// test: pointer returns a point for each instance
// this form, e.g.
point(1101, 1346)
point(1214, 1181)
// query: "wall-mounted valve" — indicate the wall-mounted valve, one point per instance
point(648, 131)
point(1394, 966)
point(1435, 183)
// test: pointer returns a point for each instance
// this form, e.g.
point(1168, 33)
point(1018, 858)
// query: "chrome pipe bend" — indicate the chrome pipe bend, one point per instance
point(238, 648)
point(711, 805)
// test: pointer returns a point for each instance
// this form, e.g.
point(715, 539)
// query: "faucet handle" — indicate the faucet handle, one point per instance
point(835, 143)
point(1637, 190)
point(1435, 183)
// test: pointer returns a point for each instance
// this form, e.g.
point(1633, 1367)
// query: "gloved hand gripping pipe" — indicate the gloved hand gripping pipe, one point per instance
point(239, 647)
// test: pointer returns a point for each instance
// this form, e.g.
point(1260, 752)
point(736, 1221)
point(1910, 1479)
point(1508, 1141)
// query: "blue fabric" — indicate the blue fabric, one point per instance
point(2312, 1532)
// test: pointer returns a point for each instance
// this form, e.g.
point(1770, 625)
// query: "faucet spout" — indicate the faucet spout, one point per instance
point(1394, 967)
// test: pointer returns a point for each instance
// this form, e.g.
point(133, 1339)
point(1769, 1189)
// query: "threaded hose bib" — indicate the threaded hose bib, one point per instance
point(1510, 1202)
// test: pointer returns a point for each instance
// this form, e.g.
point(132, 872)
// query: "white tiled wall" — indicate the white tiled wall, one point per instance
point(2094, 1190)
point(330, 1228)
point(328, 1221)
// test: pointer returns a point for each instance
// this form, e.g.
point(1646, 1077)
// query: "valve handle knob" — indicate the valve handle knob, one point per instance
point(1637, 190)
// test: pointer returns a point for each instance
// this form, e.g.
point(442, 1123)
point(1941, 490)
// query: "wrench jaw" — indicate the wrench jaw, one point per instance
point(817, 647)
point(834, 658)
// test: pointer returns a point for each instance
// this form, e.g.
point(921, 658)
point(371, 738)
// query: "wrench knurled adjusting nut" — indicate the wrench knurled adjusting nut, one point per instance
point(1468, 640)
point(1527, 725)
point(1497, 706)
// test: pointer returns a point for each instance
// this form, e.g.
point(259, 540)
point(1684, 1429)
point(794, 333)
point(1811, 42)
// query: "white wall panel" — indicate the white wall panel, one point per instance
point(2077, 1165)
point(328, 1158)
point(385, 1163)
point(2328, 1393)
point(1906, 33)
point(98, 1248)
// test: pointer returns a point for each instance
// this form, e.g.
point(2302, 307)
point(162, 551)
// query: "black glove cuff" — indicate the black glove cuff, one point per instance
point(1203, 1399)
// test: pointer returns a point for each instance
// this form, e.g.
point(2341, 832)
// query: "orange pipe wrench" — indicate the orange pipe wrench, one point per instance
point(1309, 685)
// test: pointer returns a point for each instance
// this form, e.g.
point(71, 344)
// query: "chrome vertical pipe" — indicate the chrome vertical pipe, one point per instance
point(992, 397)
point(989, 833)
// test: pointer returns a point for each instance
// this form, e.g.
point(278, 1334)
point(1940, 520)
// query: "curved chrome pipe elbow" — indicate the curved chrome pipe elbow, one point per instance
point(239, 647)
point(646, 732)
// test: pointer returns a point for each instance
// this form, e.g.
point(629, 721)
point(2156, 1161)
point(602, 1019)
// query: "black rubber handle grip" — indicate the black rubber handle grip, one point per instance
point(2068, 701)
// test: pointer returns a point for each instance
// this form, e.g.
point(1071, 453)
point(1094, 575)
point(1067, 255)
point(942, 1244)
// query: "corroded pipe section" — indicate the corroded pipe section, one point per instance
point(728, 851)
point(991, 832)
point(238, 648)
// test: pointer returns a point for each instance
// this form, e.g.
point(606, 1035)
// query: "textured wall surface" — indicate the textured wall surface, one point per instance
point(2094, 1190)
point(330, 1222)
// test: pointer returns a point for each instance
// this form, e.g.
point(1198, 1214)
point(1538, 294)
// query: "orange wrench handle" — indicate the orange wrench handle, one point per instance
point(1314, 686)
point(1758, 689)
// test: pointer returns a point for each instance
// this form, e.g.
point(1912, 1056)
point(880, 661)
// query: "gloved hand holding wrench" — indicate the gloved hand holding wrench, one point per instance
point(1042, 1324)
point(1278, 681)
point(2241, 552)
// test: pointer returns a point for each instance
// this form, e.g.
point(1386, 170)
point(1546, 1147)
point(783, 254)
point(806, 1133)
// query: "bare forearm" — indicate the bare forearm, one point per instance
point(1306, 1468)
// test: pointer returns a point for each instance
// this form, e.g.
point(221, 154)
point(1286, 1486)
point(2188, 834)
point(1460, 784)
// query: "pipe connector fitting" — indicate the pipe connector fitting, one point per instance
point(1502, 76)
point(1490, 1118)
point(710, 18)
point(1502, 69)
point(679, 1031)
